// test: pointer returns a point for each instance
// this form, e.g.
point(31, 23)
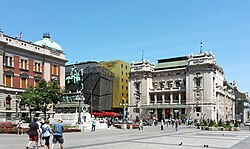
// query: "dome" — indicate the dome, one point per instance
point(48, 43)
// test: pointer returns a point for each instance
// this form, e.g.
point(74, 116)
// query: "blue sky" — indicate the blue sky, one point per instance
point(102, 30)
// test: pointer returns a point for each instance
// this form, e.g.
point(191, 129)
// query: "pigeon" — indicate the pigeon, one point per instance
point(205, 145)
point(180, 143)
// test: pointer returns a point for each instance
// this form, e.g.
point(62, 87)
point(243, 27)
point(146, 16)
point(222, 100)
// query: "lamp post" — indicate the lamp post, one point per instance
point(91, 102)
point(123, 103)
point(17, 102)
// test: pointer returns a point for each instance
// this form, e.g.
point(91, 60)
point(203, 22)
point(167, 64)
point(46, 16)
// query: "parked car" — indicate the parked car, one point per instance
point(247, 123)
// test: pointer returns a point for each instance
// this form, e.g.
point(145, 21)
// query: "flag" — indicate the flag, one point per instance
point(20, 36)
point(201, 45)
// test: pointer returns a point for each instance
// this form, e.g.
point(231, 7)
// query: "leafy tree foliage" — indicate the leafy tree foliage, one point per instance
point(38, 98)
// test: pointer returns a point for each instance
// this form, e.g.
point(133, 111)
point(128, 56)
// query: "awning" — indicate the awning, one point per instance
point(71, 105)
point(165, 106)
point(106, 114)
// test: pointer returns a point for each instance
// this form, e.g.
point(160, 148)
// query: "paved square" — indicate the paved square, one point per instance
point(151, 138)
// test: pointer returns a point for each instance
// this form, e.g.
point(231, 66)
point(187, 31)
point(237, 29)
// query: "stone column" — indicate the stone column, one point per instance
point(156, 116)
point(1, 67)
point(171, 98)
point(179, 98)
point(163, 98)
point(155, 95)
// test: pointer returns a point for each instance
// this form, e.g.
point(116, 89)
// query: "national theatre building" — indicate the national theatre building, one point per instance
point(190, 86)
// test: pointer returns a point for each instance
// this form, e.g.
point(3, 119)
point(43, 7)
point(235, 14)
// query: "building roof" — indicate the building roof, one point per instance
point(169, 63)
point(163, 106)
point(48, 43)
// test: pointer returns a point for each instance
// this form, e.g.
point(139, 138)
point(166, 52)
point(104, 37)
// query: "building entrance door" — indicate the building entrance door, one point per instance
point(159, 114)
point(167, 113)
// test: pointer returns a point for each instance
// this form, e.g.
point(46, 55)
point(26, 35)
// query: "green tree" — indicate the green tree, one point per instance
point(38, 98)
point(30, 98)
point(49, 93)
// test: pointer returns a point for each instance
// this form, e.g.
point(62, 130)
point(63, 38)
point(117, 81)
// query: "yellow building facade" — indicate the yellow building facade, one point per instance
point(120, 87)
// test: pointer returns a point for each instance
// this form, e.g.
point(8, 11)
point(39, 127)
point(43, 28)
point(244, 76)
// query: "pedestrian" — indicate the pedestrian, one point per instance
point(58, 136)
point(173, 122)
point(20, 127)
point(93, 124)
point(140, 125)
point(33, 133)
point(108, 122)
point(46, 132)
point(40, 122)
point(176, 125)
point(167, 123)
point(162, 124)
point(198, 124)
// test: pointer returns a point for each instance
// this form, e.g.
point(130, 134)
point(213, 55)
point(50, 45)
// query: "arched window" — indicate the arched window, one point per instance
point(8, 102)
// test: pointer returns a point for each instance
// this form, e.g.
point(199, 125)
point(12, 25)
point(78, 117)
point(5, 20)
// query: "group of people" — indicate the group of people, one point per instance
point(40, 130)
point(173, 122)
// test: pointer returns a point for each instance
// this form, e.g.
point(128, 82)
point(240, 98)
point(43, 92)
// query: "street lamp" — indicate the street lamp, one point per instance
point(91, 102)
point(123, 103)
point(17, 102)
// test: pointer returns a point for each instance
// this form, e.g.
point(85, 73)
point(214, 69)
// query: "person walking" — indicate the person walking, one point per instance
point(140, 125)
point(162, 124)
point(58, 136)
point(20, 127)
point(40, 122)
point(33, 133)
point(46, 132)
point(93, 124)
point(198, 124)
point(176, 124)
point(108, 122)
point(172, 122)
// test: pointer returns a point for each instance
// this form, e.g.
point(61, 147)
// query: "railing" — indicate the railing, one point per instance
point(183, 101)
point(175, 101)
point(167, 101)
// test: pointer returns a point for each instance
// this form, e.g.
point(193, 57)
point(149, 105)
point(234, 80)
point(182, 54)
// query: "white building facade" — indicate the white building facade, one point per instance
point(180, 87)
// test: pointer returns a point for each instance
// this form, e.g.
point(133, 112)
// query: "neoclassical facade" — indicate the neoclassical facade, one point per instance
point(24, 64)
point(190, 86)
